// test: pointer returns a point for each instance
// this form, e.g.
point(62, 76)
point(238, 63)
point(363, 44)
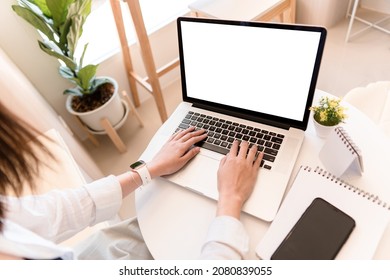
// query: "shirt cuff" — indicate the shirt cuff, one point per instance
point(229, 231)
point(106, 194)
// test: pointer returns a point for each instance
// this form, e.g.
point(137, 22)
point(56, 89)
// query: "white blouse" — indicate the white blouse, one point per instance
point(35, 224)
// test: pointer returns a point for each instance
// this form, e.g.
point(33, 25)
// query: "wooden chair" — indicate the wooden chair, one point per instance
point(150, 83)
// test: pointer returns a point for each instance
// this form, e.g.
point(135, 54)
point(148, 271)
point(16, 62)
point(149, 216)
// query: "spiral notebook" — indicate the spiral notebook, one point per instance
point(370, 213)
point(340, 154)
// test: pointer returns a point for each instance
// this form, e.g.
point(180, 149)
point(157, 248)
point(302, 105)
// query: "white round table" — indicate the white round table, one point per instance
point(174, 221)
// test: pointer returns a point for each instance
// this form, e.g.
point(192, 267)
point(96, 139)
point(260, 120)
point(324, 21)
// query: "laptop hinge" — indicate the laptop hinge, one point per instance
point(240, 115)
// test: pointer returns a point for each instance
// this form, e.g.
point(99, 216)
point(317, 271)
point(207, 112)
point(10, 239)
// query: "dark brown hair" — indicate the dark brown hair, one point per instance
point(18, 162)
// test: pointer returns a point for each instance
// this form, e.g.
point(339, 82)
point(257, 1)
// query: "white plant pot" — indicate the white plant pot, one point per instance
point(322, 130)
point(113, 110)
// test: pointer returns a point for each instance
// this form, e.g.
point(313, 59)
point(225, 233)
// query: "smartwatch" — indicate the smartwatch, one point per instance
point(142, 170)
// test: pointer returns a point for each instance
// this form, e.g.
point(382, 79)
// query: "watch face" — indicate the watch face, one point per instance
point(137, 164)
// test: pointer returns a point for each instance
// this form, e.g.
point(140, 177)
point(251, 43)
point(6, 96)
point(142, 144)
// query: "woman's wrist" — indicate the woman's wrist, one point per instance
point(129, 181)
point(154, 170)
point(229, 206)
point(135, 178)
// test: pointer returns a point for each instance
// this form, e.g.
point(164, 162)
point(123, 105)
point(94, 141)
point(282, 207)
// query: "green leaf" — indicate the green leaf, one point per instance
point(53, 46)
point(79, 7)
point(64, 31)
point(37, 6)
point(35, 20)
point(43, 7)
point(75, 31)
point(76, 17)
point(68, 62)
point(86, 75)
point(72, 91)
point(61, 21)
point(82, 55)
point(59, 11)
point(98, 82)
point(66, 72)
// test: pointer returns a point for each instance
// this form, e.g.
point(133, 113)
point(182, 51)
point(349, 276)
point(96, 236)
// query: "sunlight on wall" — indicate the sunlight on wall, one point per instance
point(100, 31)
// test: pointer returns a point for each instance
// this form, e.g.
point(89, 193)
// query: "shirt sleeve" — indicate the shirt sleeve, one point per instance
point(59, 214)
point(226, 239)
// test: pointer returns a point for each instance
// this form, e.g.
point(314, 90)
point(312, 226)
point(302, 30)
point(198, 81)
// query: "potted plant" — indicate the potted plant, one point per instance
point(60, 22)
point(327, 114)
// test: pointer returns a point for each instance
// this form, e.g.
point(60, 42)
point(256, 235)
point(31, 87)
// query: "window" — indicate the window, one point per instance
point(100, 30)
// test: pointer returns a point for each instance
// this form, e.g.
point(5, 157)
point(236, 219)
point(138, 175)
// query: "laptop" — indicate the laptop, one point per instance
point(250, 81)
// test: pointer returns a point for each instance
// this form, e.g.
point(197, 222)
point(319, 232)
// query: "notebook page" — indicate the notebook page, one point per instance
point(371, 218)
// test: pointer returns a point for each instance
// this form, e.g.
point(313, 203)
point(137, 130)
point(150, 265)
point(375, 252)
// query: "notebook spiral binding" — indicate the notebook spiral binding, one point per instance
point(343, 135)
point(374, 198)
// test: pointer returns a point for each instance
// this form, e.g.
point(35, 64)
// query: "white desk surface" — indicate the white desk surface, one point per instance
point(234, 9)
point(174, 221)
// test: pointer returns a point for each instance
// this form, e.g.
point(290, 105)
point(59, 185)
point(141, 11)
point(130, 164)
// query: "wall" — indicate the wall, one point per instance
point(378, 5)
point(329, 12)
point(19, 40)
point(321, 12)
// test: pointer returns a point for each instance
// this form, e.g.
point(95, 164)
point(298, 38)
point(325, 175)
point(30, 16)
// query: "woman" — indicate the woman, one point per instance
point(31, 226)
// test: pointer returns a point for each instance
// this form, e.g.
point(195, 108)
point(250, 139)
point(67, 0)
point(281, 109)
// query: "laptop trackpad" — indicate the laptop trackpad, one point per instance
point(200, 174)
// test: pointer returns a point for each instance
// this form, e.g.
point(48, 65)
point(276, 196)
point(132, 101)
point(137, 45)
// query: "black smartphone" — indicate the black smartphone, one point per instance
point(319, 234)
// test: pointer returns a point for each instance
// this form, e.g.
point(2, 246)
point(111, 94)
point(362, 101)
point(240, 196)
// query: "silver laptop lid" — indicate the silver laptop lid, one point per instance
point(265, 72)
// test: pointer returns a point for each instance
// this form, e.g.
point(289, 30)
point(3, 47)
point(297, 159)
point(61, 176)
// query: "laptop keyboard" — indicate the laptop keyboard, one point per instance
point(221, 134)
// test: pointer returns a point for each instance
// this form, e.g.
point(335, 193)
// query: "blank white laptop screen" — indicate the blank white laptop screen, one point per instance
point(269, 70)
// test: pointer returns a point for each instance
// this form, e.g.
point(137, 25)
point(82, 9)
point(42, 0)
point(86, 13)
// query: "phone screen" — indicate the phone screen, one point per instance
point(319, 234)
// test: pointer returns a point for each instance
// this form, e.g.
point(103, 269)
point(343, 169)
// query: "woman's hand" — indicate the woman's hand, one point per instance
point(237, 175)
point(176, 152)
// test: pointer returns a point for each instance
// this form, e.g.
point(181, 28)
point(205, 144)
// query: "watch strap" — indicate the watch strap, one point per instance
point(143, 172)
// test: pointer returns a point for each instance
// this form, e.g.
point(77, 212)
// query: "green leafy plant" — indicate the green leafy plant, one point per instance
point(329, 112)
point(60, 22)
